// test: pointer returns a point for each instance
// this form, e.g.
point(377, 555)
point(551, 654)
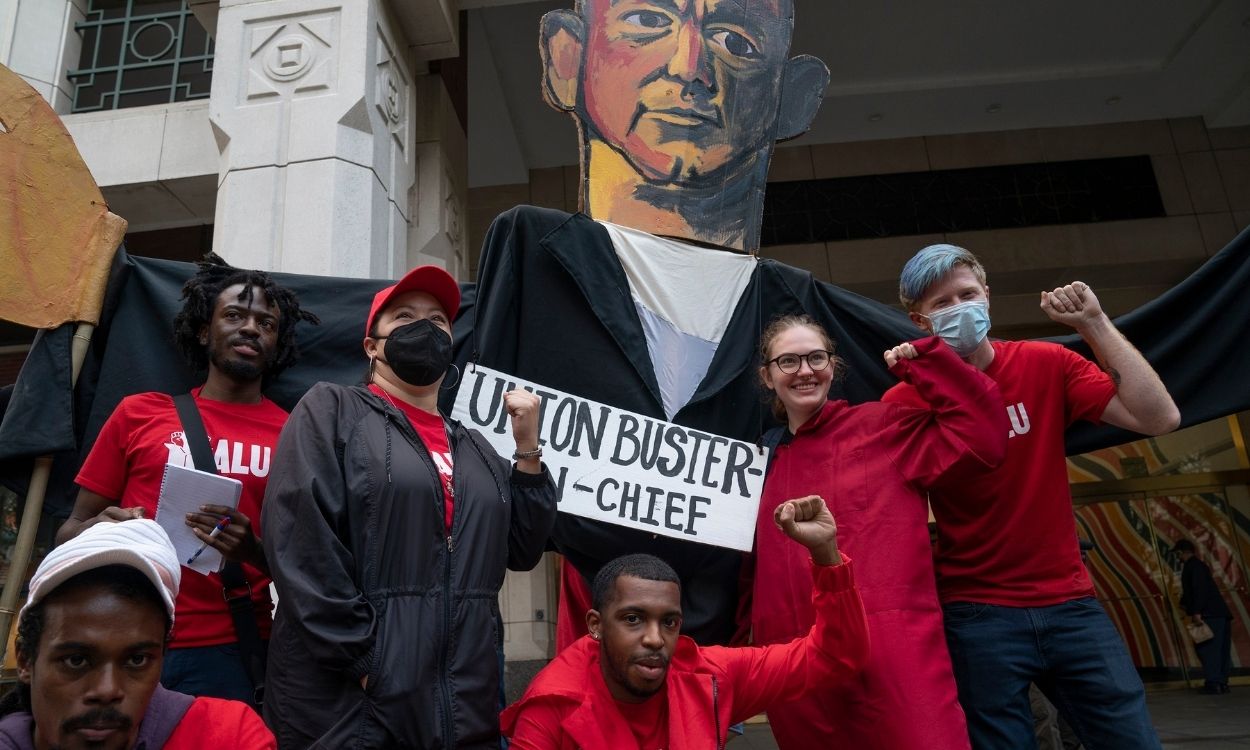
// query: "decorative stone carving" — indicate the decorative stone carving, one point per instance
point(289, 58)
point(391, 93)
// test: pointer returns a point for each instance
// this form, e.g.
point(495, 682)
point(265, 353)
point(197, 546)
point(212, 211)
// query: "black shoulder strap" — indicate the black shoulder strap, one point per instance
point(197, 436)
point(235, 588)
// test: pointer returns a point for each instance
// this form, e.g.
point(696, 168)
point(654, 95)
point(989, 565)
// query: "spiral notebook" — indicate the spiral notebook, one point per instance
point(183, 491)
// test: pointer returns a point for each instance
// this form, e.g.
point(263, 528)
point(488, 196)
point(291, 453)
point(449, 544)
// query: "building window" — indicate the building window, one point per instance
point(140, 52)
point(960, 200)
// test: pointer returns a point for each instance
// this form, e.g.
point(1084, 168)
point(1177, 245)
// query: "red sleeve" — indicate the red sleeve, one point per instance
point(833, 650)
point(537, 727)
point(574, 603)
point(104, 471)
point(1087, 389)
point(746, 597)
point(964, 425)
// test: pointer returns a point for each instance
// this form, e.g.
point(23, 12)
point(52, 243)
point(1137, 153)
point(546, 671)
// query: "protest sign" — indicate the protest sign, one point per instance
point(625, 468)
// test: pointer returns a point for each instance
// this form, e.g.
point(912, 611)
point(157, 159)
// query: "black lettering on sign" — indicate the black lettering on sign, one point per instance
point(599, 496)
point(566, 412)
point(653, 495)
point(699, 439)
point(735, 466)
point(625, 432)
point(480, 418)
point(694, 513)
point(712, 459)
point(589, 431)
point(672, 436)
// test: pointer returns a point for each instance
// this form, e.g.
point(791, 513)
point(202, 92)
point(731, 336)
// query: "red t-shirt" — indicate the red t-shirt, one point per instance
point(648, 721)
point(128, 460)
point(1008, 537)
point(433, 434)
point(213, 724)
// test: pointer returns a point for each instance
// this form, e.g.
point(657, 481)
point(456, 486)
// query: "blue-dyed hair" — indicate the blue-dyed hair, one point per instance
point(930, 266)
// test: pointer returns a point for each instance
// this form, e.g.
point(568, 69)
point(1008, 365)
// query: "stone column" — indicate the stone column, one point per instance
point(312, 110)
point(440, 192)
point(528, 604)
point(39, 43)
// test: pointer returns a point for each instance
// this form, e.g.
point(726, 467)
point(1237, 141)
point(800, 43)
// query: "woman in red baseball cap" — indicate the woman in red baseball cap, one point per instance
point(388, 530)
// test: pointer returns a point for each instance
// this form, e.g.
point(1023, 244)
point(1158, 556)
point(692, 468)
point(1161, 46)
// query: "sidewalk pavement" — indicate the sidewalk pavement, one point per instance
point(1185, 719)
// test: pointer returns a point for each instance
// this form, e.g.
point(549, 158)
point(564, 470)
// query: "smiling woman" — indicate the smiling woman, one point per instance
point(871, 462)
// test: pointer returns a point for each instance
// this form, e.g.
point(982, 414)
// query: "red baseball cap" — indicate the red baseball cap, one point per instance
point(432, 280)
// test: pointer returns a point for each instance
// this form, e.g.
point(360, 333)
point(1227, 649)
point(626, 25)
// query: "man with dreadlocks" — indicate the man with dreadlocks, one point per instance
point(239, 327)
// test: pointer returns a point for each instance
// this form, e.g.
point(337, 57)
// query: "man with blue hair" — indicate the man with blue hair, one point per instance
point(1018, 604)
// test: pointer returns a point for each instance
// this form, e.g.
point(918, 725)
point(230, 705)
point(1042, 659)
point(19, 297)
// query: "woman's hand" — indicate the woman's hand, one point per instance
point(903, 351)
point(522, 407)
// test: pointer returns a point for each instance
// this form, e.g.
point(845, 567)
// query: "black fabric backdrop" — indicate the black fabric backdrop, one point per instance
point(1193, 335)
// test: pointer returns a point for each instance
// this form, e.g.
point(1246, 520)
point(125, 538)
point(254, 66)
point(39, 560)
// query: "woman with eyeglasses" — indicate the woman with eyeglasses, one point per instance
point(871, 463)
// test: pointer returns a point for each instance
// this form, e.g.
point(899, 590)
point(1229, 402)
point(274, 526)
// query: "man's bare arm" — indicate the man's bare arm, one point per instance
point(89, 509)
point(1142, 403)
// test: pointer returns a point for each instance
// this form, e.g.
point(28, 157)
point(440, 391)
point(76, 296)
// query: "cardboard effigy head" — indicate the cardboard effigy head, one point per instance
point(678, 105)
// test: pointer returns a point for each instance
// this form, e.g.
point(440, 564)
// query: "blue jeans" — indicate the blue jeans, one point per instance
point(1216, 654)
point(208, 671)
point(1070, 650)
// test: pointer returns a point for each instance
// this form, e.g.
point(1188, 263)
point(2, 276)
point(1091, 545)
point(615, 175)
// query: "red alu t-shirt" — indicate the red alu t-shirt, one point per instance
point(433, 434)
point(127, 463)
point(1008, 537)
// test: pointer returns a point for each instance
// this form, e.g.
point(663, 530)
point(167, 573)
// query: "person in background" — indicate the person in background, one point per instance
point(90, 645)
point(1202, 602)
point(635, 682)
point(389, 529)
point(873, 462)
point(239, 327)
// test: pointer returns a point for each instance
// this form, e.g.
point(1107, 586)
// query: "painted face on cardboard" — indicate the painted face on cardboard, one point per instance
point(242, 337)
point(637, 632)
point(97, 665)
point(683, 89)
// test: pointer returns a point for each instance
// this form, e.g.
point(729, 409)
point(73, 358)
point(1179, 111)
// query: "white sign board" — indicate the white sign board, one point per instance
point(623, 468)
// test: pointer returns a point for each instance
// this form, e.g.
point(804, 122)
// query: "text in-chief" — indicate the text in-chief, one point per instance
point(625, 468)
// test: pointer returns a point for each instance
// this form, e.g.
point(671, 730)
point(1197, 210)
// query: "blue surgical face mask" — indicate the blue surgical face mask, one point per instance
point(963, 326)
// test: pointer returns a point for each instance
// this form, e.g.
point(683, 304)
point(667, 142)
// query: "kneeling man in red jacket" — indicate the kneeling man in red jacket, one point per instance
point(635, 682)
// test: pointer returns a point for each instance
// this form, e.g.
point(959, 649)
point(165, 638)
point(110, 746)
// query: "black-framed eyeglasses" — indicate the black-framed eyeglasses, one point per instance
point(790, 363)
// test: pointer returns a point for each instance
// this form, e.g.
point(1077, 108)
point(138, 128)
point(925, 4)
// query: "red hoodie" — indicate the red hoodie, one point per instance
point(568, 705)
point(872, 463)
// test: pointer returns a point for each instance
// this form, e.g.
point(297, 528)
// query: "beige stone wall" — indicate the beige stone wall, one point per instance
point(1203, 176)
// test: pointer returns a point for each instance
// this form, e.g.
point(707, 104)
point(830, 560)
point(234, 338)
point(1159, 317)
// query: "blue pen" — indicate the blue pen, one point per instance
point(223, 523)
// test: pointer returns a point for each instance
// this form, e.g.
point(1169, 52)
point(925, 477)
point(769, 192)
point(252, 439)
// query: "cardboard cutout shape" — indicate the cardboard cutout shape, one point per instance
point(678, 105)
point(57, 236)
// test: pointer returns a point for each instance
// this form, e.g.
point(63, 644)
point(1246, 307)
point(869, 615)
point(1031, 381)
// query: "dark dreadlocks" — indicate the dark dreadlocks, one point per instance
point(201, 292)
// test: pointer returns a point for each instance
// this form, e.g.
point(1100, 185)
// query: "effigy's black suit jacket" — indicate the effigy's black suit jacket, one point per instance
point(553, 306)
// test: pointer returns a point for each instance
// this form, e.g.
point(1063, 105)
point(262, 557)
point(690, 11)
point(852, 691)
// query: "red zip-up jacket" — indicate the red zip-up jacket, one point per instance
point(568, 705)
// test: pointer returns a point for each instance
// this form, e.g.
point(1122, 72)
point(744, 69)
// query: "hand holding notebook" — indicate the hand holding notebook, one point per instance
point(183, 491)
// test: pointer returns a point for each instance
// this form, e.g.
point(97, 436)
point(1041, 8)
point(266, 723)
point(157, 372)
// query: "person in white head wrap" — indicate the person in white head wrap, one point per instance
point(90, 645)
point(140, 544)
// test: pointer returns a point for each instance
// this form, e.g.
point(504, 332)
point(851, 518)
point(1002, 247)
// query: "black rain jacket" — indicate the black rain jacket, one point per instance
point(370, 584)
